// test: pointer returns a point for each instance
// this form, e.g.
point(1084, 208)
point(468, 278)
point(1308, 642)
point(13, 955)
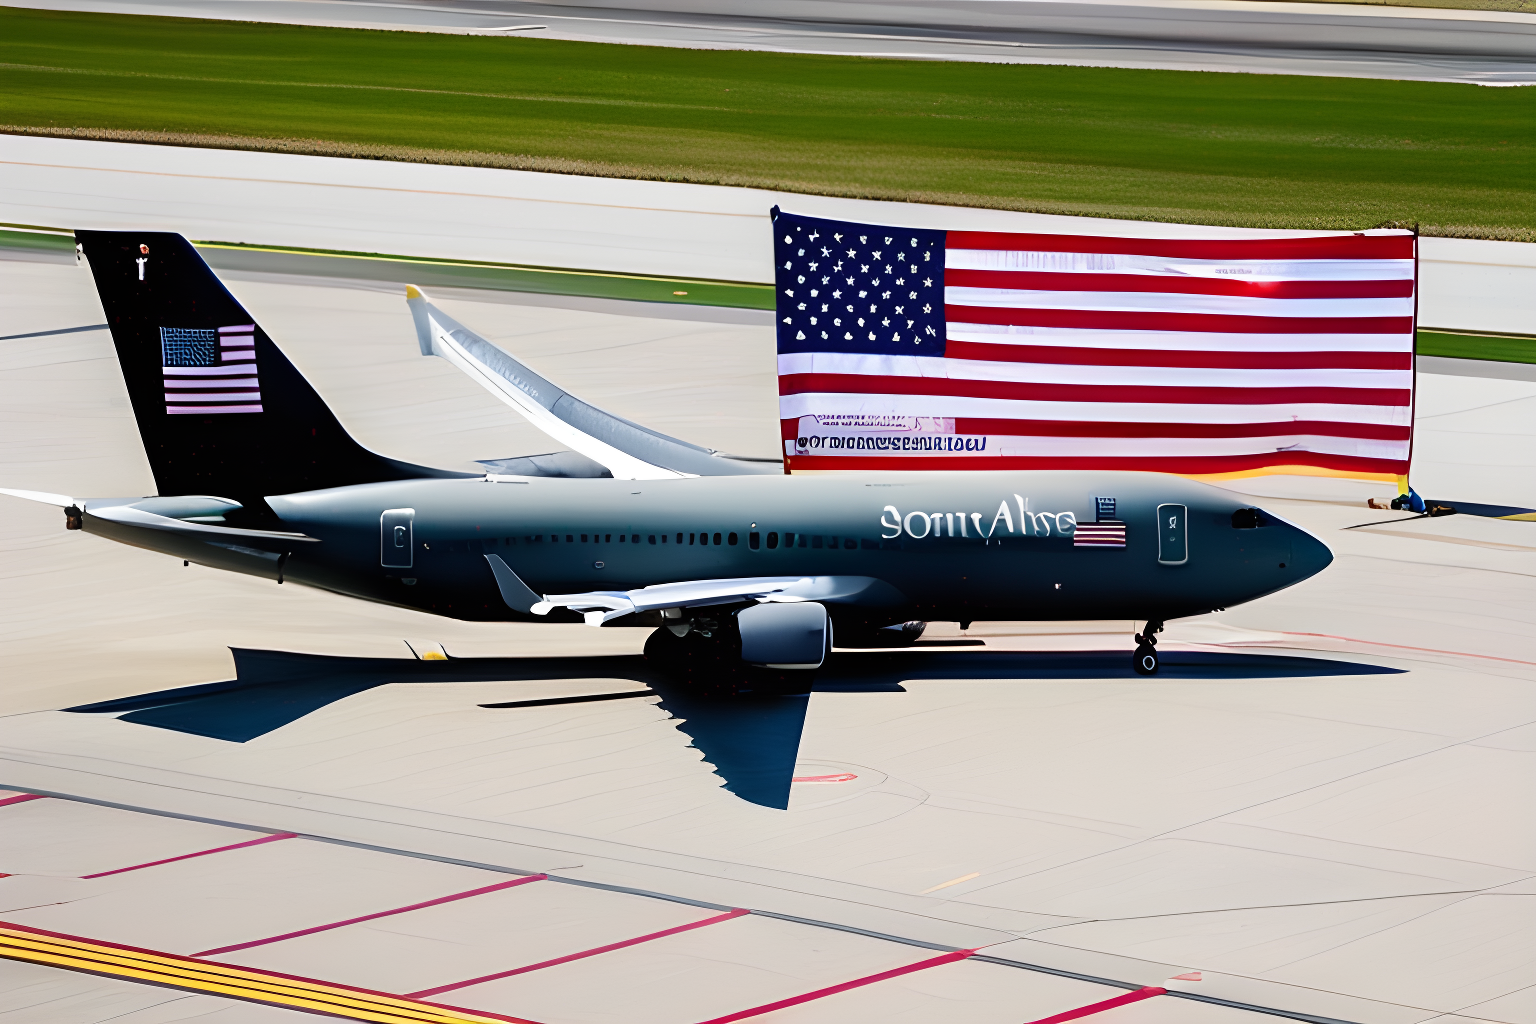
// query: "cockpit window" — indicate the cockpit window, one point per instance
point(1248, 519)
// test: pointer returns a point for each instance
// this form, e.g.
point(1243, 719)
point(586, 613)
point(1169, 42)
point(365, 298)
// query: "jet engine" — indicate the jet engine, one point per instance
point(791, 635)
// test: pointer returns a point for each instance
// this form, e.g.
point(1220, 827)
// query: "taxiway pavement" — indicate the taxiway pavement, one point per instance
point(1320, 806)
point(535, 219)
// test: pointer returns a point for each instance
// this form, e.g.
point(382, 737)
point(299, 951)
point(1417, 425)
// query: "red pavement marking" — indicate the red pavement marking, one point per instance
point(21, 799)
point(921, 965)
point(253, 970)
point(579, 956)
point(370, 917)
point(200, 853)
point(1108, 1004)
point(1405, 647)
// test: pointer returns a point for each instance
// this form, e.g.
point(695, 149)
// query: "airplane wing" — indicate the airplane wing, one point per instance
point(602, 606)
point(628, 450)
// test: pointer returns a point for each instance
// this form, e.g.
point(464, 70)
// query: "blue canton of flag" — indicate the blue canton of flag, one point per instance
point(862, 288)
point(189, 346)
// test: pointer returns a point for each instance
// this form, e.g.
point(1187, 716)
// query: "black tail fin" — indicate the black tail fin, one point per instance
point(220, 409)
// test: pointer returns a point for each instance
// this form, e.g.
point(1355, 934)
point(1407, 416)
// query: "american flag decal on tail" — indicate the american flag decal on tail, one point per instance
point(208, 370)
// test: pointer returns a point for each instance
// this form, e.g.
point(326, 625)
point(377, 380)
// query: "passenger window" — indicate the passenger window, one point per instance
point(634, 538)
point(570, 538)
point(752, 540)
point(717, 538)
point(730, 539)
point(869, 545)
point(621, 538)
point(608, 538)
point(789, 540)
point(679, 538)
point(583, 538)
point(816, 541)
point(773, 540)
point(849, 543)
point(690, 538)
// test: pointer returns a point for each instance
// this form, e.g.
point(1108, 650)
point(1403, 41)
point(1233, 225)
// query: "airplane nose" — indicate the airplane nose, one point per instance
point(1309, 556)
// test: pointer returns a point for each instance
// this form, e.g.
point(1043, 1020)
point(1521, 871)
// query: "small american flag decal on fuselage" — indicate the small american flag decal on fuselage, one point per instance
point(1103, 534)
point(208, 370)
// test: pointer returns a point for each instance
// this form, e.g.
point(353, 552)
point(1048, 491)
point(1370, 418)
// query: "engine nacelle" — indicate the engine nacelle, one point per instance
point(784, 636)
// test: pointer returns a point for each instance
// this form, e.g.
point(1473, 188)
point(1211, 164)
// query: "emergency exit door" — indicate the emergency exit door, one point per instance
point(395, 540)
point(1172, 534)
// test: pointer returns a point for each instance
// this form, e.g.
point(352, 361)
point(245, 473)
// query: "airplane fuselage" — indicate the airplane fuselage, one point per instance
point(951, 546)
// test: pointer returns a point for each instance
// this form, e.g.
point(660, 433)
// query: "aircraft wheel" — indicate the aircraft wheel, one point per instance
point(1146, 660)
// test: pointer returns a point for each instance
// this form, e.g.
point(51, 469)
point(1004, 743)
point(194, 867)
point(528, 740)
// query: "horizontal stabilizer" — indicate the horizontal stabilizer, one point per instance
point(628, 450)
point(602, 606)
point(61, 500)
point(128, 515)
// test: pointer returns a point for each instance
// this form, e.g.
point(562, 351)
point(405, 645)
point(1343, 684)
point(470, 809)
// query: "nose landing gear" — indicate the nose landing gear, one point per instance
point(1146, 649)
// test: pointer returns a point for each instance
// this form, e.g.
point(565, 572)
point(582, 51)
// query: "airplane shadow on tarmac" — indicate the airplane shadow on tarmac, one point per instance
point(751, 741)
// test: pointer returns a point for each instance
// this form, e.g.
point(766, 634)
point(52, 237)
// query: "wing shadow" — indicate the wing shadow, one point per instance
point(750, 741)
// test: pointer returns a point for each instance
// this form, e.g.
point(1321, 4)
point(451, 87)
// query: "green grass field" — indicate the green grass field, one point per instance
point(1257, 150)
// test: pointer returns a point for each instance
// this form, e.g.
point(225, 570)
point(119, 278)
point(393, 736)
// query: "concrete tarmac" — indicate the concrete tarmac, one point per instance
point(1319, 806)
point(1348, 40)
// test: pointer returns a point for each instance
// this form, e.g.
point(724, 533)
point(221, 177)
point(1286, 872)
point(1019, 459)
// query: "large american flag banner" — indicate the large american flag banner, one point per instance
point(923, 349)
point(208, 370)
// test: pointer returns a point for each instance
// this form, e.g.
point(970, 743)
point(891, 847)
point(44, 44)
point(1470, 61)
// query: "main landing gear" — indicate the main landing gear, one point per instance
point(1146, 649)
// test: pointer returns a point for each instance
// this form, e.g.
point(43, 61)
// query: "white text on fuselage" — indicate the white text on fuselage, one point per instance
point(1030, 523)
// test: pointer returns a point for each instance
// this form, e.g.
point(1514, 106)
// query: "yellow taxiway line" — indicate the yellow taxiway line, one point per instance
point(73, 953)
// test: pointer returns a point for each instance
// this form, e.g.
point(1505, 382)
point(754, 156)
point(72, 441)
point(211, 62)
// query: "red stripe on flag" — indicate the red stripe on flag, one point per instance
point(1101, 428)
point(1185, 465)
point(370, 917)
point(860, 384)
point(1223, 360)
point(1133, 320)
point(832, 990)
point(1167, 283)
point(1331, 247)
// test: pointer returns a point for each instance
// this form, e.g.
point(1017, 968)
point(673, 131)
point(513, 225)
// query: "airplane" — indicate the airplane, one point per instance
point(745, 574)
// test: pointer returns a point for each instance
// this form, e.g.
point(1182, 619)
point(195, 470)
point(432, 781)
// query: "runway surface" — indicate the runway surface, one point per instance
point(1357, 41)
point(565, 220)
point(1320, 807)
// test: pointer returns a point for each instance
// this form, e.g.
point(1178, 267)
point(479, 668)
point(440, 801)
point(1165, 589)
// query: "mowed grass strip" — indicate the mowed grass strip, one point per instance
point(1249, 150)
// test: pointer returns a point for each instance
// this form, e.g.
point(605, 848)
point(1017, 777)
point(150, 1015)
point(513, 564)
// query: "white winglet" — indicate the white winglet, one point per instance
point(519, 387)
point(628, 450)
